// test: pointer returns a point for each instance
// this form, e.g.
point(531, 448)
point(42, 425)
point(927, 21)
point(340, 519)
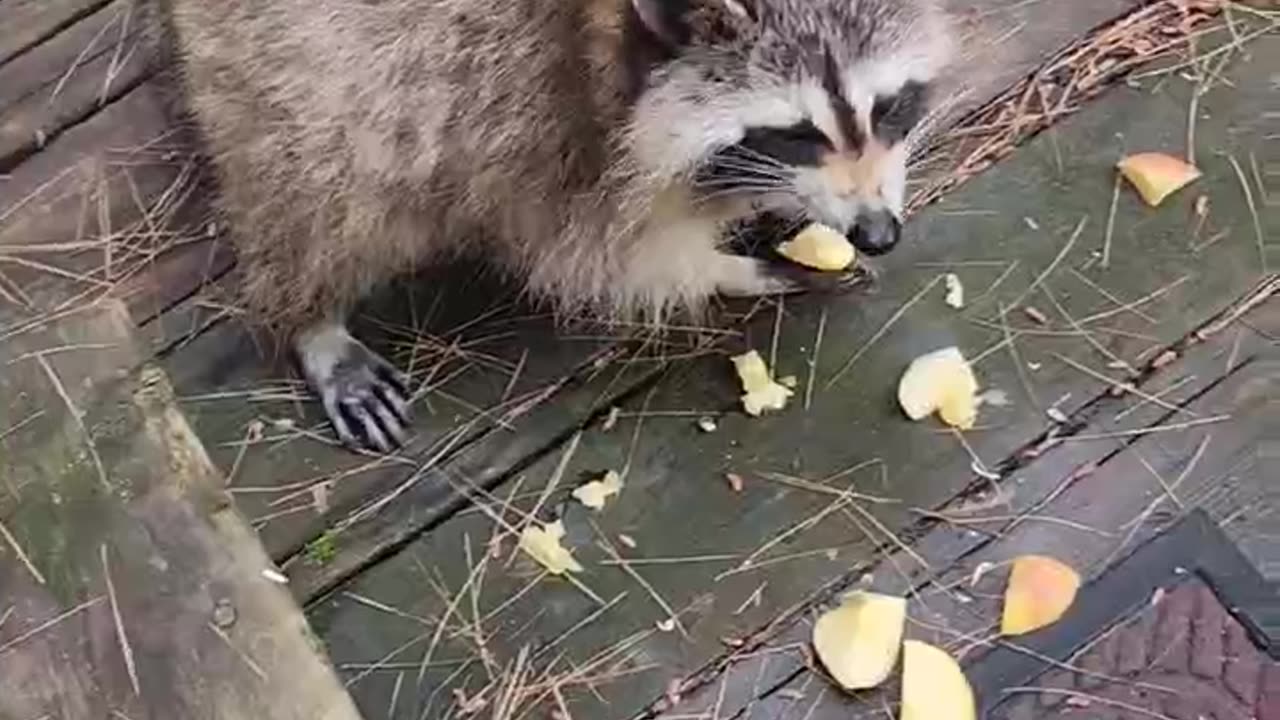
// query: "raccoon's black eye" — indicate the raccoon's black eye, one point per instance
point(799, 144)
point(893, 116)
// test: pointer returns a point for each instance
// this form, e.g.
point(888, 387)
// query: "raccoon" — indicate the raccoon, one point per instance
point(595, 150)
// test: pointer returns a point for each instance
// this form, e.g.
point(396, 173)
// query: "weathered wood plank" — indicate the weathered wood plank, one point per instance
point(112, 206)
point(27, 23)
point(677, 504)
point(64, 80)
point(131, 587)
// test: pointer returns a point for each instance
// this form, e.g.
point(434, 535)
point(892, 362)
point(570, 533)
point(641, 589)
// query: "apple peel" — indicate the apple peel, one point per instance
point(1040, 591)
point(941, 381)
point(1156, 176)
point(819, 247)
point(859, 641)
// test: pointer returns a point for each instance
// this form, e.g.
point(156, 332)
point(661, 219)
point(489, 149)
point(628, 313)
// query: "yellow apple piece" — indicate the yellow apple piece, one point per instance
point(1039, 592)
point(858, 642)
point(760, 391)
point(1156, 176)
point(955, 290)
point(543, 545)
point(941, 381)
point(959, 410)
point(933, 685)
point(595, 493)
point(820, 247)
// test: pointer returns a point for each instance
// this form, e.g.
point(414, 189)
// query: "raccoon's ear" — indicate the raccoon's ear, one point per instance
point(677, 23)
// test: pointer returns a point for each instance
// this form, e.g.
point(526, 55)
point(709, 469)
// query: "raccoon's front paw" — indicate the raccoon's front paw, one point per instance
point(752, 277)
point(365, 397)
point(801, 279)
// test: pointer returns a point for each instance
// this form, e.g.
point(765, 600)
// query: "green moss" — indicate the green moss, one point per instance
point(323, 549)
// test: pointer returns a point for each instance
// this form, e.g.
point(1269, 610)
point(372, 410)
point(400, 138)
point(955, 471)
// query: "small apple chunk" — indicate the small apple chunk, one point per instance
point(858, 642)
point(1040, 591)
point(1156, 176)
point(595, 493)
point(941, 381)
point(955, 290)
point(760, 391)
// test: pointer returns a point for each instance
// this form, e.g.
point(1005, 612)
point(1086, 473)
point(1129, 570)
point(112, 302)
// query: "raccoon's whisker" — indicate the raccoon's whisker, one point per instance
point(752, 171)
point(754, 164)
point(750, 157)
point(749, 162)
point(756, 154)
point(755, 157)
point(748, 179)
point(741, 184)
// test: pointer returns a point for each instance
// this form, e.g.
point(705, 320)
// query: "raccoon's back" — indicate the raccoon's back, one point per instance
point(354, 140)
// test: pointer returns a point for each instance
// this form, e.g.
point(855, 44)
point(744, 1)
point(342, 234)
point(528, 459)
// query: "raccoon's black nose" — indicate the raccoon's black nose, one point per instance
point(875, 232)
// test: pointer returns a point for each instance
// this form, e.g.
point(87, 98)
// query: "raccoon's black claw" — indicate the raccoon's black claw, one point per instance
point(365, 397)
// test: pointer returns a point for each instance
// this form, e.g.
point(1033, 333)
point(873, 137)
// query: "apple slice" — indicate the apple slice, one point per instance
point(1040, 591)
point(943, 382)
point(859, 641)
point(819, 247)
point(933, 685)
point(1156, 176)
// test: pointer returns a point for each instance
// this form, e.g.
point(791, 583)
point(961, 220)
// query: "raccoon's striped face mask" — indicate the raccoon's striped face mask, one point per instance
point(818, 114)
point(849, 174)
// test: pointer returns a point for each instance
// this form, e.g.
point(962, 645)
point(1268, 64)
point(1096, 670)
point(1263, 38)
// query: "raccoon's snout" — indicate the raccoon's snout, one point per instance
point(875, 232)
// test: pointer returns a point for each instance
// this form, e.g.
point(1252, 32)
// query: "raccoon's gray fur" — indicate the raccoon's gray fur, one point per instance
point(593, 149)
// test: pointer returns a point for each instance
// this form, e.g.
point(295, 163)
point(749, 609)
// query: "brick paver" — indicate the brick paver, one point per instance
point(1184, 658)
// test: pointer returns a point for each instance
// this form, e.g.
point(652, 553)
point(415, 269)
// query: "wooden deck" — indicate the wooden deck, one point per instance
point(1144, 386)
